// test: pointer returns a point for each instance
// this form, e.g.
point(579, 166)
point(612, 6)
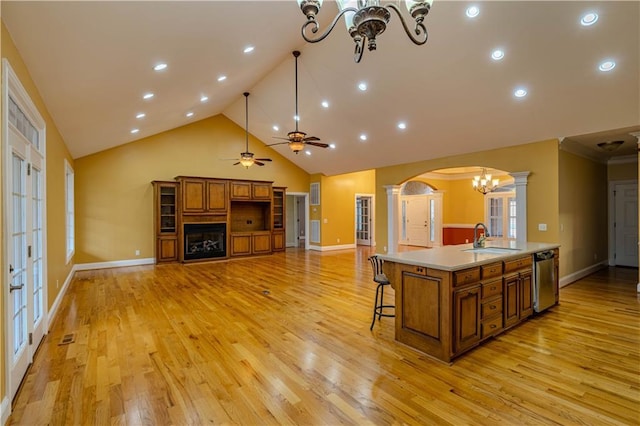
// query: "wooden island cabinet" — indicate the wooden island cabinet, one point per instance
point(222, 217)
point(449, 301)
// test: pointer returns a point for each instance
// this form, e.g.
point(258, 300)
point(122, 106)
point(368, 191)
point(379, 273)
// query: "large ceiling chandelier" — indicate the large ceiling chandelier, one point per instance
point(484, 183)
point(365, 20)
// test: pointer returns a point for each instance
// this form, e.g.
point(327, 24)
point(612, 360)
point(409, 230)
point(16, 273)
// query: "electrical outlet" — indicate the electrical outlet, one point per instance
point(57, 283)
point(384, 248)
point(137, 252)
point(338, 239)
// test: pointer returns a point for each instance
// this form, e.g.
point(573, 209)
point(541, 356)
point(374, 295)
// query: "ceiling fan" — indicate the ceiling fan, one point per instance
point(297, 139)
point(246, 158)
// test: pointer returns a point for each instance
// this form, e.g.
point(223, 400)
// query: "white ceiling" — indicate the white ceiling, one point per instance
point(92, 61)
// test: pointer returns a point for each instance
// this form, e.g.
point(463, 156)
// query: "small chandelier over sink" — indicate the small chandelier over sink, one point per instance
point(365, 20)
point(484, 183)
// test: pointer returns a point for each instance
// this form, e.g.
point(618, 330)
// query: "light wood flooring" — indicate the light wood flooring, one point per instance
point(284, 339)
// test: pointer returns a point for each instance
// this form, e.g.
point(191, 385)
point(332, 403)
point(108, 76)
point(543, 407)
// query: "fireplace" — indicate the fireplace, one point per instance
point(205, 240)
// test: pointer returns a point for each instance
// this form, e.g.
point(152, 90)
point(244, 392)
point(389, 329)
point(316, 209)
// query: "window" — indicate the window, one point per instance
point(500, 214)
point(69, 209)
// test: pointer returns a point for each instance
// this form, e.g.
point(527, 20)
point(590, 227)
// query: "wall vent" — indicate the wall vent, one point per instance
point(315, 231)
point(315, 194)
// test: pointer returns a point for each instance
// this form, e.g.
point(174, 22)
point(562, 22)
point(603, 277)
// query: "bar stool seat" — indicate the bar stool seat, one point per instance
point(381, 279)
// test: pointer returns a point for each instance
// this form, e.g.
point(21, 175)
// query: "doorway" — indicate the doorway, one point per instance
point(364, 220)
point(24, 227)
point(297, 223)
point(625, 224)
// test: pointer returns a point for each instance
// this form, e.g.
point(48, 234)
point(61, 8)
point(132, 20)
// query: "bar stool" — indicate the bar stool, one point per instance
point(382, 280)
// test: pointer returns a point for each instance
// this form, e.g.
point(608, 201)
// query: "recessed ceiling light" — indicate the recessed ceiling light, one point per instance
point(363, 137)
point(520, 93)
point(497, 54)
point(189, 114)
point(362, 86)
point(248, 49)
point(402, 125)
point(159, 67)
point(222, 78)
point(148, 95)
point(307, 152)
point(204, 98)
point(472, 11)
point(589, 19)
point(325, 104)
point(135, 130)
point(276, 128)
point(607, 66)
point(141, 115)
point(332, 145)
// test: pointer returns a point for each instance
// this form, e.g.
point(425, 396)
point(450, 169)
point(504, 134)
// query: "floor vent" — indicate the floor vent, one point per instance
point(67, 338)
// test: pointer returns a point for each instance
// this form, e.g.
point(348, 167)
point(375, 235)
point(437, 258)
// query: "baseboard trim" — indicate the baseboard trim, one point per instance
point(568, 279)
point(51, 316)
point(114, 264)
point(5, 410)
point(332, 248)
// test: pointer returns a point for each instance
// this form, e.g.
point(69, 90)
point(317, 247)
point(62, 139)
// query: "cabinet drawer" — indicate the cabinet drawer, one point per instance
point(466, 276)
point(492, 288)
point(491, 270)
point(491, 307)
point(490, 327)
point(516, 264)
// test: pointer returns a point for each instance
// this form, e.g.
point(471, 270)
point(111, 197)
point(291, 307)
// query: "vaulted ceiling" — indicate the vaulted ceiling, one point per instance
point(93, 61)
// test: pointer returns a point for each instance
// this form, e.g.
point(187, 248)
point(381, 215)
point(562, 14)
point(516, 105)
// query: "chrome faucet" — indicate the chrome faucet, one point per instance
point(477, 243)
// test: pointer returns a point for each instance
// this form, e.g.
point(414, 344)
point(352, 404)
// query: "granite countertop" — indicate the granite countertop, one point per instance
point(455, 257)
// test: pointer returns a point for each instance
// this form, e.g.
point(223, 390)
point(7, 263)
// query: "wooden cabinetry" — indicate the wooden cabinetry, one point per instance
point(166, 221)
point(248, 243)
point(491, 308)
point(518, 290)
point(466, 322)
point(278, 215)
point(247, 190)
point(204, 196)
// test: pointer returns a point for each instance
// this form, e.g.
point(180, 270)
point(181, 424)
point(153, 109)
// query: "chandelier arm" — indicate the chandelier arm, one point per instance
point(314, 26)
point(359, 50)
point(419, 29)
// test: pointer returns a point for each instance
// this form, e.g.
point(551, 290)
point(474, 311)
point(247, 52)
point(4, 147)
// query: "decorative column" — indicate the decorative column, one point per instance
point(637, 136)
point(520, 179)
point(393, 217)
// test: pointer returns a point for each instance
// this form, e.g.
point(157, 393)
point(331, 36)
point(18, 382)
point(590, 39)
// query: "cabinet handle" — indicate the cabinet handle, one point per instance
point(492, 307)
point(492, 326)
point(493, 288)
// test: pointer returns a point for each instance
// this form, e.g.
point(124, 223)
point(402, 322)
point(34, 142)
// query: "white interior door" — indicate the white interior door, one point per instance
point(417, 220)
point(24, 228)
point(626, 224)
point(364, 220)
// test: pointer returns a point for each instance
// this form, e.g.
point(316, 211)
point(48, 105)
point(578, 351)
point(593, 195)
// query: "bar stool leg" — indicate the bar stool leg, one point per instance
point(375, 308)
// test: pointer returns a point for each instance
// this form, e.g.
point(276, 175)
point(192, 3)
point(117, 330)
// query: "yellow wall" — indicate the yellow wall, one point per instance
point(583, 212)
point(626, 171)
point(540, 159)
point(57, 268)
point(114, 196)
point(337, 195)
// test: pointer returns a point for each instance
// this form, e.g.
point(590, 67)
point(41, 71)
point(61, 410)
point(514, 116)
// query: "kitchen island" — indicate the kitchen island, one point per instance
point(452, 298)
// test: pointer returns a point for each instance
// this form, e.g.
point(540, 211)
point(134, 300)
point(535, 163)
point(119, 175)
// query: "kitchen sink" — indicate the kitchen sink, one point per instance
point(492, 250)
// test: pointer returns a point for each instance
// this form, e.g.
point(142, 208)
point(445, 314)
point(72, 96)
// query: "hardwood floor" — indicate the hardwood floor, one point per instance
point(285, 339)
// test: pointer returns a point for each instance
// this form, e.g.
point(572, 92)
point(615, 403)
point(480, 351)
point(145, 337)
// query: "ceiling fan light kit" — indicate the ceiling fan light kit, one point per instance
point(365, 20)
point(610, 146)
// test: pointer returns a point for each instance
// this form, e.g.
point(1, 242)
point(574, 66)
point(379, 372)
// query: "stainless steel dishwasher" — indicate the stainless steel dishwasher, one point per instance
point(543, 288)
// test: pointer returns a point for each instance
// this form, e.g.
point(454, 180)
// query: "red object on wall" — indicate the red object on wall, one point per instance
point(452, 236)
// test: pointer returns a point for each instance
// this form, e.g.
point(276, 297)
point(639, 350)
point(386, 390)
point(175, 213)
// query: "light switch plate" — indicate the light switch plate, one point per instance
point(542, 227)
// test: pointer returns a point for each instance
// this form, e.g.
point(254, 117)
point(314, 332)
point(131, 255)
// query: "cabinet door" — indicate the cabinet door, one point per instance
point(240, 244)
point(193, 196)
point(261, 242)
point(217, 196)
point(526, 295)
point(277, 241)
point(167, 250)
point(260, 191)
point(510, 300)
point(466, 318)
point(241, 190)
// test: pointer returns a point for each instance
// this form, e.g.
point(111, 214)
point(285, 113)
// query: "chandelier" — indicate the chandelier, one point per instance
point(365, 20)
point(484, 183)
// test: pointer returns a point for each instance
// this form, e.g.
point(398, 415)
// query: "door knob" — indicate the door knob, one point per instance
point(15, 287)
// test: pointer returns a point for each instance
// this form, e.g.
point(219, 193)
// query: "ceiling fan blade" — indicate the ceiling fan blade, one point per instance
point(235, 164)
point(311, 138)
point(278, 137)
point(264, 159)
point(279, 143)
point(318, 144)
point(257, 163)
